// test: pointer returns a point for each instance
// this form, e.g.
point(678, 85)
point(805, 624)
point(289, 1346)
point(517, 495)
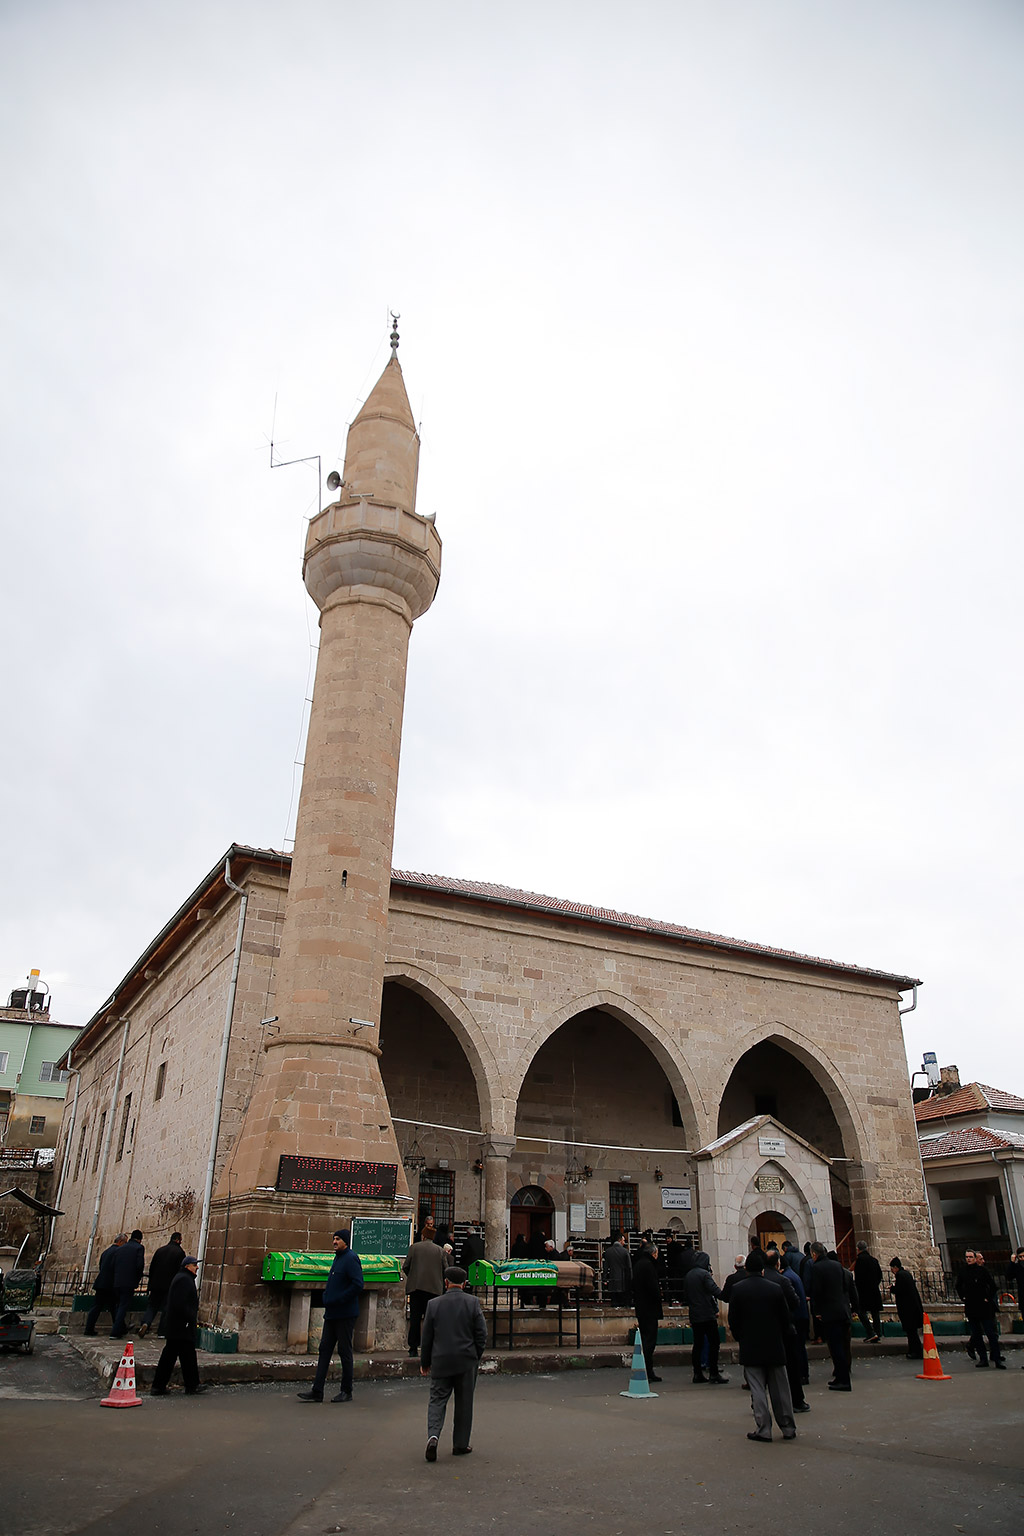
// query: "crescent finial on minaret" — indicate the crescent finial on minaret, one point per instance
point(394, 333)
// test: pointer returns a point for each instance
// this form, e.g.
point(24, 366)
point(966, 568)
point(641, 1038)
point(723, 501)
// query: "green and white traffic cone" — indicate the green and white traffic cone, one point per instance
point(638, 1383)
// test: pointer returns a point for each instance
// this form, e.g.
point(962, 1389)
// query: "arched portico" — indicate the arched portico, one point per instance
point(467, 1030)
point(648, 1031)
point(819, 1066)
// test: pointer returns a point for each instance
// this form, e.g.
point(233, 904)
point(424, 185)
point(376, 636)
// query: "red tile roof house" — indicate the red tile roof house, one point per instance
point(972, 1150)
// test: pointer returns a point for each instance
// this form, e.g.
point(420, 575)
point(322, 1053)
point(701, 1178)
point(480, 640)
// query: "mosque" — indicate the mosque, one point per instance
point(318, 1036)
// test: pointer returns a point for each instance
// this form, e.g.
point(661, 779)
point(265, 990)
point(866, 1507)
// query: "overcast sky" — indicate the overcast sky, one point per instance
point(712, 318)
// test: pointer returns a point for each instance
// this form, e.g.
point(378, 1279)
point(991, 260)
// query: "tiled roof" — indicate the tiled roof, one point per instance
point(556, 906)
point(971, 1099)
point(971, 1138)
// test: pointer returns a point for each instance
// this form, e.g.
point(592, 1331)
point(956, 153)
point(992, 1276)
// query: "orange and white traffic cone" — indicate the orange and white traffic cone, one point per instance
point(122, 1394)
point(932, 1368)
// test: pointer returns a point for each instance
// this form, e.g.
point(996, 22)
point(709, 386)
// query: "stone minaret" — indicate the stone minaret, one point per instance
point(372, 566)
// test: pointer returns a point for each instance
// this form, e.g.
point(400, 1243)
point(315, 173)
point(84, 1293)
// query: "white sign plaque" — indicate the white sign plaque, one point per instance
point(578, 1218)
point(771, 1146)
point(595, 1210)
point(675, 1199)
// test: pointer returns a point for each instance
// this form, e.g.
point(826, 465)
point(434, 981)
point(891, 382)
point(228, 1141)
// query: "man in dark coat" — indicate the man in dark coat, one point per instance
point(454, 1336)
point(758, 1319)
point(341, 1308)
point(163, 1267)
point(129, 1265)
point(909, 1308)
point(618, 1272)
point(647, 1302)
point(827, 1297)
point(423, 1268)
point(472, 1248)
point(702, 1299)
point(981, 1298)
point(106, 1295)
point(867, 1274)
point(794, 1356)
point(181, 1315)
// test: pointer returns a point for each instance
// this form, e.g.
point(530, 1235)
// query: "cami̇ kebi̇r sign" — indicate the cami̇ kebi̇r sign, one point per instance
point(337, 1176)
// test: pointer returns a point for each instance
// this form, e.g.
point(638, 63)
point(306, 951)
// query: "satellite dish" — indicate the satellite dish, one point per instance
point(334, 481)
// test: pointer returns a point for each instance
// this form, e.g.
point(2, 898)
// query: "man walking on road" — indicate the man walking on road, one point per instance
point(759, 1318)
point(454, 1336)
point(423, 1269)
point(909, 1308)
point(180, 1318)
point(341, 1308)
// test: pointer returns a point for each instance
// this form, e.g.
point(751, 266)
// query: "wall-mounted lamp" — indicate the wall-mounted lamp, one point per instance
point(658, 1175)
point(362, 1024)
point(478, 1166)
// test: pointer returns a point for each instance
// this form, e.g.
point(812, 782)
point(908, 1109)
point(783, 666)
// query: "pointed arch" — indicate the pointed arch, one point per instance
point(466, 1029)
point(821, 1067)
point(648, 1031)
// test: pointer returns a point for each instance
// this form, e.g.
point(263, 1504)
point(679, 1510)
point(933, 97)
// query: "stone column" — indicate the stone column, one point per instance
point(497, 1152)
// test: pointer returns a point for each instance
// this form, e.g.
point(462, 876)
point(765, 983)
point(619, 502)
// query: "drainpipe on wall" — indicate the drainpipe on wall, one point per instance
point(211, 1164)
point(68, 1149)
point(108, 1138)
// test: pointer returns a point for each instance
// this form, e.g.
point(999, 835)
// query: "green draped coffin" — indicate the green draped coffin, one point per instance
point(378, 1268)
point(525, 1272)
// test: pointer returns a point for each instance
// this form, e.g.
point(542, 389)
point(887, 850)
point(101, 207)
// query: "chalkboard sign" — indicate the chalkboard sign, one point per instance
point(382, 1234)
point(337, 1176)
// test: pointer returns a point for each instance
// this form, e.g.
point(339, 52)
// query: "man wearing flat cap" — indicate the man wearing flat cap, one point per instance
point(181, 1315)
point(454, 1336)
point(341, 1308)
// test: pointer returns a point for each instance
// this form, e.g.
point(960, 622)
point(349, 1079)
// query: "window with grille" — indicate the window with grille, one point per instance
point(624, 1207)
point(37, 1125)
point(81, 1150)
point(99, 1142)
point(437, 1197)
point(124, 1125)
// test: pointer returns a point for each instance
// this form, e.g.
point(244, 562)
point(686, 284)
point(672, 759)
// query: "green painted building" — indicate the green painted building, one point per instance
point(32, 1086)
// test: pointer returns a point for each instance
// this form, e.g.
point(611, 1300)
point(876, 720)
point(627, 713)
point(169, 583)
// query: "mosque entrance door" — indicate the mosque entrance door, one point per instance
point(772, 1228)
point(531, 1215)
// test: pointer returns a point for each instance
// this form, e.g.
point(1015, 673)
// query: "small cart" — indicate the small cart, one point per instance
point(16, 1332)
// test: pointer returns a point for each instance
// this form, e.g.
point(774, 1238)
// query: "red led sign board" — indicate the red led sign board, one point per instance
point(337, 1176)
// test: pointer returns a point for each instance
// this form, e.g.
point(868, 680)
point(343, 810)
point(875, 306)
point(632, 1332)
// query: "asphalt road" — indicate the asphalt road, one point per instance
point(551, 1453)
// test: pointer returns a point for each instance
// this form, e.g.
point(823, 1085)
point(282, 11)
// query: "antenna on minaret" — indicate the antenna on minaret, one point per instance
point(394, 333)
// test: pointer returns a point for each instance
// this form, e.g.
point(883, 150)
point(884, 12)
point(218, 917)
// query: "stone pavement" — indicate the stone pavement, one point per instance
point(552, 1452)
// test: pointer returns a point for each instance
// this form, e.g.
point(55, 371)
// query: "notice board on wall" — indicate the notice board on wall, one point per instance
point(391, 1235)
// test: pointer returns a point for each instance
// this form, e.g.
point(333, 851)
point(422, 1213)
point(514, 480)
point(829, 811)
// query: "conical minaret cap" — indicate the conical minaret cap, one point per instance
point(382, 454)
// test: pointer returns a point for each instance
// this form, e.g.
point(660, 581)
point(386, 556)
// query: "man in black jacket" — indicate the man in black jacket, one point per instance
point(163, 1267)
point(106, 1296)
point(342, 1292)
point(181, 1315)
point(758, 1319)
point(702, 1299)
point(980, 1298)
point(794, 1356)
point(909, 1308)
point(867, 1274)
point(828, 1299)
point(129, 1264)
point(454, 1336)
point(647, 1302)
